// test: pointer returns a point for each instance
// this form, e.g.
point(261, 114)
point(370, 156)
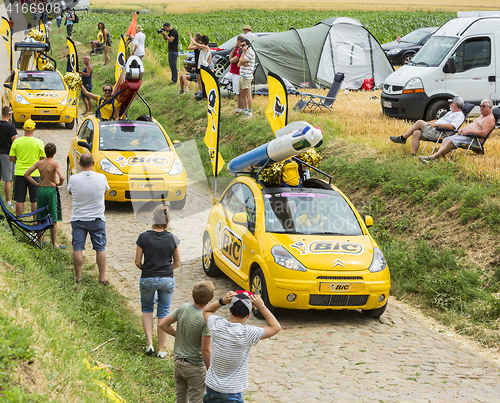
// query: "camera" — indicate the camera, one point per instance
point(160, 30)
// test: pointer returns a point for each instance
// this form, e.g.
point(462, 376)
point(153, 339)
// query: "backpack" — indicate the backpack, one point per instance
point(75, 21)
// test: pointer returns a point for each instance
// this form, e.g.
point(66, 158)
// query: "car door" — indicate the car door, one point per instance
point(86, 133)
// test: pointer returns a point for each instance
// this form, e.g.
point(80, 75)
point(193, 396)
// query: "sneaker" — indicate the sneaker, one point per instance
point(249, 115)
point(181, 92)
point(162, 354)
point(425, 159)
point(398, 139)
point(9, 204)
point(150, 350)
point(237, 111)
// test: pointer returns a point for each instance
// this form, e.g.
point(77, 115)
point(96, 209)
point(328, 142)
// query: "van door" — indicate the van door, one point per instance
point(474, 79)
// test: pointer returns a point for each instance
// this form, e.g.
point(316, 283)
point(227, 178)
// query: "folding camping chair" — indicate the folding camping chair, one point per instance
point(33, 230)
point(467, 108)
point(477, 146)
point(314, 101)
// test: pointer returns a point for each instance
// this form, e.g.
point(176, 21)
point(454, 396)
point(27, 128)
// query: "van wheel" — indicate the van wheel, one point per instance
point(407, 58)
point(437, 110)
point(70, 125)
point(207, 257)
point(375, 313)
point(258, 287)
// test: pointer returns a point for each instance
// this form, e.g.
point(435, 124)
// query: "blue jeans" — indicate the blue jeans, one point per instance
point(172, 62)
point(149, 287)
point(217, 397)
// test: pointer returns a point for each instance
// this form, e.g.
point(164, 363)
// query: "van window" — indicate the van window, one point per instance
point(473, 53)
point(434, 51)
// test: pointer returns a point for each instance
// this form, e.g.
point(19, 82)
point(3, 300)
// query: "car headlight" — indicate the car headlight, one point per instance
point(108, 167)
point(65, 100)
point(21, 100)
point(285, 259)
point(394, 51)
point(176, 168)
point(378, 262)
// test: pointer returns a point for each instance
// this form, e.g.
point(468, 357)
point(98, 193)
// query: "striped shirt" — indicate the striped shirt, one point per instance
point(247, 71)
point(190, 328)
point(230, 348)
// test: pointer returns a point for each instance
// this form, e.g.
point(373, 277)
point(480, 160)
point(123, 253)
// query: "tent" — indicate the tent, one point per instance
point(313, 55)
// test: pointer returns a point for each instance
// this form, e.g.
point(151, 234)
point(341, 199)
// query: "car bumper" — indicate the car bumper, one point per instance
point(405, 106)
point(146, 190)
point(44, 115)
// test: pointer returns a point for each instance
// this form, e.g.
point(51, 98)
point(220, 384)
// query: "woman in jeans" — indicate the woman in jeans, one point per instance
point(161, 257)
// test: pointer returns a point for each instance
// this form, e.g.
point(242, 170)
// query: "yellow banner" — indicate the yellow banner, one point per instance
point(213, 114)
point(277, 108)
point(7, 38)
point(73, 55)
point(121, 58)
point(73, 100)
point(43, 30)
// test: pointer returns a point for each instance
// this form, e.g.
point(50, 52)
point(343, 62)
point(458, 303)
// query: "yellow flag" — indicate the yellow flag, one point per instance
point(277, 108)
point(121, 58)
point(73, 95)
point(6, 33)
point(73, 55)
point(213, 114)
point(43, 30)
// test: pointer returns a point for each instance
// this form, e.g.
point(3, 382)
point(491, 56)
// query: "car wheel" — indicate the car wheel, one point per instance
point(70, 125)
point(407, 58)
point(68, 171)
point(375, 313)
point(437, 110)
point(15, 122)
point(258, 287)
point(207, 257)
point(178, 204)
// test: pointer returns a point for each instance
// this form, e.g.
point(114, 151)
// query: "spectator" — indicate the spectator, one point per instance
point(428, 130)
point(48, 192)
point(204, 59)
point(58, 21)
point(172, 36)
point(138, 43)
point(184, 78)
point(192, 344)
point(49, 26)
point(70, 18)
point(11, 23)
point(231, 340)
point(87, 83)
point(480, 126)
point(100, 38)
point(234, 71)
point(161, 257)
point(110, 111)
point(8, 134)
point(28, 29)
point(247, 31)
point(25, 151)
point(246, 65)
point(87, 189)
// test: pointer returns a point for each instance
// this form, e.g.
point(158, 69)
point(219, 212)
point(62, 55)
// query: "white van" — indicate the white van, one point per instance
point(462, 58)
point(77, 5)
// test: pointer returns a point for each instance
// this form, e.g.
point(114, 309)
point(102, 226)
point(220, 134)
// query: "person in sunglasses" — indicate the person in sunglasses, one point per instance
point(110, 111)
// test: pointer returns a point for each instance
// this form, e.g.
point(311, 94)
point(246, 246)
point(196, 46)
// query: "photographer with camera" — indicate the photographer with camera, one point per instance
point(172, 36)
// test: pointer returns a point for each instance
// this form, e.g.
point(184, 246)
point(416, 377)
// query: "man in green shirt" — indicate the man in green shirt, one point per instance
point(25, 151)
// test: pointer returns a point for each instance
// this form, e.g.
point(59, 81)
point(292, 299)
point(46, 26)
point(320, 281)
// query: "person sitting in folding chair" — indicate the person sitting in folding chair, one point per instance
point(481, 126)
point(429, 130)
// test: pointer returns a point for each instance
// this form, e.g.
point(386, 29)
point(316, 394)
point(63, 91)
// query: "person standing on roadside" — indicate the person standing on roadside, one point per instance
point(234, 71)
point(25, 151)
point(138, 43)
point(8, 134)
point(160, 249)
point(87, 83)
point(59, 21)
point(172, 36)
point(87, 190)
point(70, 18)
point(246, 65)
point(247, 31)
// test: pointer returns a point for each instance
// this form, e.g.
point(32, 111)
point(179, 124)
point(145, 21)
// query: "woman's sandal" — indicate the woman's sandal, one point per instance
point(104, 283)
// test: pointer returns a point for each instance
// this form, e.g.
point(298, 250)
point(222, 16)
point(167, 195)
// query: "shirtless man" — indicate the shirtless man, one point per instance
point(481, 126)
point(48, 194)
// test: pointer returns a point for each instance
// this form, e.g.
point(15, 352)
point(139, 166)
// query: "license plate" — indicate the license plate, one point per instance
point(386, 104)
point(46, 111)
point(340, 287)
point(145, 185)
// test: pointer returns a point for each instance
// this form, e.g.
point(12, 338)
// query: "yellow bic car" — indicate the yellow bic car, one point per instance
point(298, 248)
point(42, 96)
point(137, 157)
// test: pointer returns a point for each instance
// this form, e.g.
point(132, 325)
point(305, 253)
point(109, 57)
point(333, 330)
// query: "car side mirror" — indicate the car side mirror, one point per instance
point(368, 220)
point(450, 66)
point(8, 85)
point(85, 145)
point(240, 219)
point(176, 143)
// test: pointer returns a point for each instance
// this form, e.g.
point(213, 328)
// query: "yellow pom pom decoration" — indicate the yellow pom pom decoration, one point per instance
point(36, 34)
point(73, 81)
point(273, 173)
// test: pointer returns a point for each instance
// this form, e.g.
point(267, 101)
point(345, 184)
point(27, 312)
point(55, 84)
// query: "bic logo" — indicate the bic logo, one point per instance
point(147, 160)
point(335, 247)
point(340, 287)
point(231, 246)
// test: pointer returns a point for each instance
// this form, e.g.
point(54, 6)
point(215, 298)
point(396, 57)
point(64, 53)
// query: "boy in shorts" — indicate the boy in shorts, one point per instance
point(192, 344)
point(48, 193)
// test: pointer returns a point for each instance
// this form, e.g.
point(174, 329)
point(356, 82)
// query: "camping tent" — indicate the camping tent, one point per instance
point(315, 54)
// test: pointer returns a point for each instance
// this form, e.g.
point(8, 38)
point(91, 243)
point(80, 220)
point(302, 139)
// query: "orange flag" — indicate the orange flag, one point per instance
point(131, 29)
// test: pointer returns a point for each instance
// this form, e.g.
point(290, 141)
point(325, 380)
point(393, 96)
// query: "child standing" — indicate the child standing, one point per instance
point(192, 344)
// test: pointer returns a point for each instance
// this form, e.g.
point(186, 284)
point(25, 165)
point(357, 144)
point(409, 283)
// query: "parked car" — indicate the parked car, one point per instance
point(401, 51)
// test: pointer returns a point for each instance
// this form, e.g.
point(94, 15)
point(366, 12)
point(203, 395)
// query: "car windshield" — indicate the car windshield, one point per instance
point(433, 52)
point(309, 212)
point(228, 44)
point(131, 136)
point(415, 36)
point(43, 80)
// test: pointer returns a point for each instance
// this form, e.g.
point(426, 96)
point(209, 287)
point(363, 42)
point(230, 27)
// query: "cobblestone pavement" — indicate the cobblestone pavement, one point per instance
point(318, 355)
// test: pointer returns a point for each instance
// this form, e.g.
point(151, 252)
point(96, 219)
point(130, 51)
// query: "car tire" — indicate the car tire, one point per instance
point(437, 110)
point(258, 287)
point(178, 204)
point(407, 58)
point(15, 122)
point(207, 257)
point(68, 171)
point(375, 313)
point(70, 125)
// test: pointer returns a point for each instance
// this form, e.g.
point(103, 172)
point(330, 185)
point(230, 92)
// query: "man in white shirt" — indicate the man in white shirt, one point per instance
point(427, 130)
point(247, 31)
point(138, 43)
point(88, 189)
point(231, 340)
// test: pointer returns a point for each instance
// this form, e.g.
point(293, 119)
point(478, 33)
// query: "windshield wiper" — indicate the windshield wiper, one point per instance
point(420, 64)
point(111, 149)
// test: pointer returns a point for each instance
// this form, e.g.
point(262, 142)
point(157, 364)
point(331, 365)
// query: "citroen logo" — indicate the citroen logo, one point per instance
point(338, 262)
point(145, 169)
point(45, 100)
